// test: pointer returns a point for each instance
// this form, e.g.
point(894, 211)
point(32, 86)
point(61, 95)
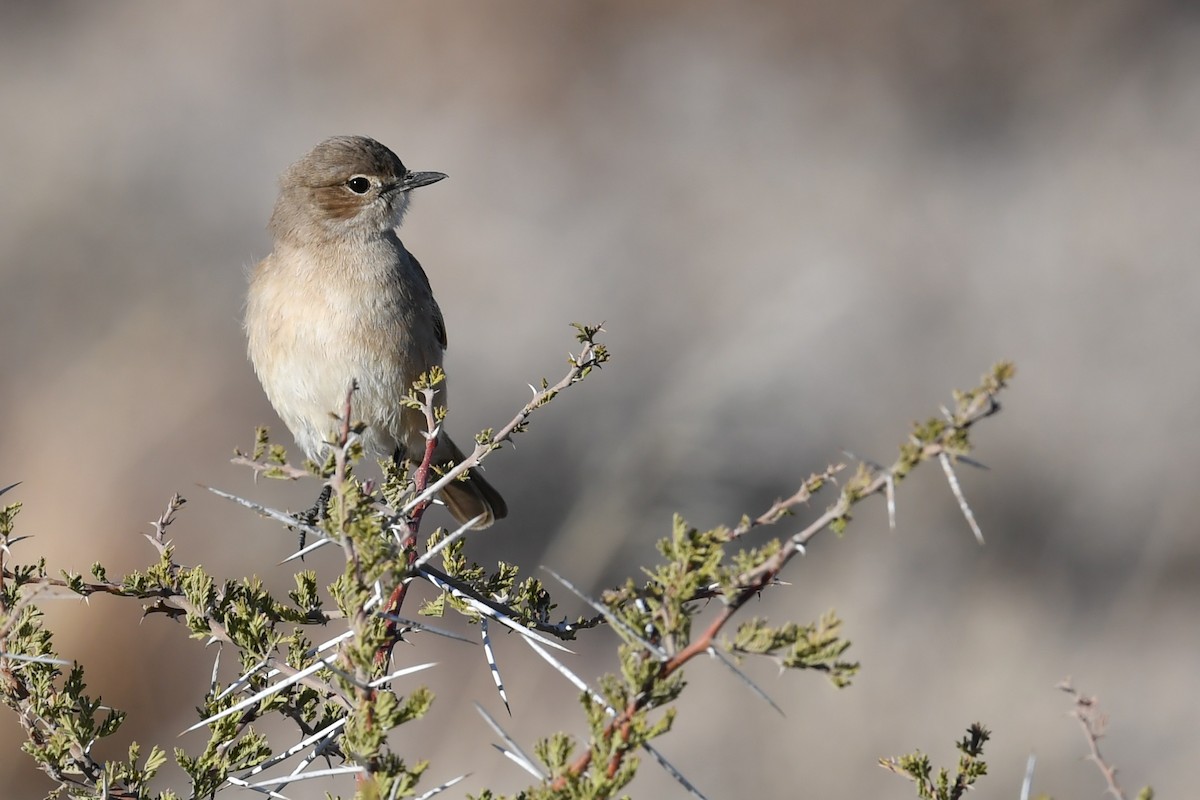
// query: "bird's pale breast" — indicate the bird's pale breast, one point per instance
point(319, 321)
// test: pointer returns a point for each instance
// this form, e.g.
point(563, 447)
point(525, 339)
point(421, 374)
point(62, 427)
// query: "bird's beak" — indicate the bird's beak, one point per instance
point(412, 180)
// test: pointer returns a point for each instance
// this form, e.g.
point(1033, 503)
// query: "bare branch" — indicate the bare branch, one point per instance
point(1094, 723)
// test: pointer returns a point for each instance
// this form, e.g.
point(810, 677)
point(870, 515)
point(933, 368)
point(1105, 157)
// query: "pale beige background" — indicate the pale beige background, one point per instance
point(803, 224)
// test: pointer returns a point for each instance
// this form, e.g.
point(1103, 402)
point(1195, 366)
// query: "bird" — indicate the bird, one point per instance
point(340, 302)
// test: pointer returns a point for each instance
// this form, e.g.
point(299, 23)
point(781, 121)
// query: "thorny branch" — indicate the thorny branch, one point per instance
point(412, 523)
point(931, 441)
point(944, 442)
point(591, 356)
point(1094, 723)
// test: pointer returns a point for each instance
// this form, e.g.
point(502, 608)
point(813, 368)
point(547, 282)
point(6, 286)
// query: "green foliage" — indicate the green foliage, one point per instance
point(338, 693)
point(528, 602)
point(817, 646)
point(918, 768)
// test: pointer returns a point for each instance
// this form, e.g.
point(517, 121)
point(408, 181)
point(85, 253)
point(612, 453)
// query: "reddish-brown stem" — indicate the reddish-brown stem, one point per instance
point(409, 545)
point(624, 720)
point(752, 583)
point(755, 580)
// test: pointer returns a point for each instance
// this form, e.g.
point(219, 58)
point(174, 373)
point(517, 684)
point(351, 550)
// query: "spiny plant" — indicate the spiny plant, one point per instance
point(344, 695)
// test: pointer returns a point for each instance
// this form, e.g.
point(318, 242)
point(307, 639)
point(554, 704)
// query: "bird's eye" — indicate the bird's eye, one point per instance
point(358, 184)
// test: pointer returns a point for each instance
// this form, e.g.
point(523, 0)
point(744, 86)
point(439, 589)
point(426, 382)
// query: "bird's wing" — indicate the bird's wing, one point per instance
point(439, 324)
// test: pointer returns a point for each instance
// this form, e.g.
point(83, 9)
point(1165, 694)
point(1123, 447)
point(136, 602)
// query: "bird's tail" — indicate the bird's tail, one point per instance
point(467, 499)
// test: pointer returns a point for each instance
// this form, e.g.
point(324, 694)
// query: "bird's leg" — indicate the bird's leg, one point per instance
point(316, 513)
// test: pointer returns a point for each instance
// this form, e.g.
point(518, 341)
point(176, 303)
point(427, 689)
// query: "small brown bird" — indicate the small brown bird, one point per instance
point(341, 301)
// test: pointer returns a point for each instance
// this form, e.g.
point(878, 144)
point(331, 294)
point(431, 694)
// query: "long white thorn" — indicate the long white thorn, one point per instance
point(433, 791)
point(719, 656)
point(400, 673)
point(492, 665)
point(515, 753)
point(612, 618)
point(267, 692)
point(485, 609)
point(444, 543)
point(952, 478)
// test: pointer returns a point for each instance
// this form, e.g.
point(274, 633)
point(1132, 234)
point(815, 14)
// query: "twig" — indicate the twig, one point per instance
point(591, 356)
point(1094, 723)
point(781, 508)
point(412, 524)
point(283, 470)
point(944, 438)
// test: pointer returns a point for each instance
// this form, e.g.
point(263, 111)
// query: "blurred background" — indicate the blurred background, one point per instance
point(802, 223)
